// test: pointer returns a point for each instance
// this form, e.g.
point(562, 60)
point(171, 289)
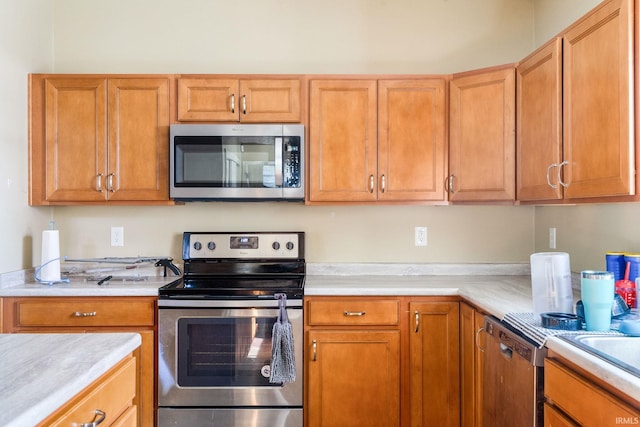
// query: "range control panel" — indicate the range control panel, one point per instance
point(249, 245)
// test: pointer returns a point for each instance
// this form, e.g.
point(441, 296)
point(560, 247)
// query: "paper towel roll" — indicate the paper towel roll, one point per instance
point(50, 259)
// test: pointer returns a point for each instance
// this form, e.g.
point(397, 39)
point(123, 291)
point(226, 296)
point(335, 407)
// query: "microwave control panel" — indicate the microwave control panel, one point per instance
point(291, 163)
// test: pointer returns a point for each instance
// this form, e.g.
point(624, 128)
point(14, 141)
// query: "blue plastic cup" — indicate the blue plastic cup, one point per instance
point(597, 289)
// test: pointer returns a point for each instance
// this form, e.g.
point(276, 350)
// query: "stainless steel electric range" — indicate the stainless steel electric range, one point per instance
point(215, 327)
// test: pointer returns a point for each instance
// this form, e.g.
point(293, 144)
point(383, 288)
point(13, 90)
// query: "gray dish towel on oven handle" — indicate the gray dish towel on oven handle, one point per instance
point(283, 363)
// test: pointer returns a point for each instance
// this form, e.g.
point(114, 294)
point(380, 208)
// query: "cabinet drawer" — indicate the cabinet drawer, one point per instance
point(128, 419)
point(353, 312)
point(113, 394)
point(594, 407)
point(83, 312)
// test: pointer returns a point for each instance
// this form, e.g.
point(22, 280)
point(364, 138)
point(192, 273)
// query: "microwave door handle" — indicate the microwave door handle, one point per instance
point(278, 161)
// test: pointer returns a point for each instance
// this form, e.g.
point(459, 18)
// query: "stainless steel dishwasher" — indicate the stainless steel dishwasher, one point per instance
point(513, 387)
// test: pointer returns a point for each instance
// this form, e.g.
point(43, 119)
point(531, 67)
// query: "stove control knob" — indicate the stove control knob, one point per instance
point(275, 246)
point(211, 246)
point(197, 246)
point(290, 245)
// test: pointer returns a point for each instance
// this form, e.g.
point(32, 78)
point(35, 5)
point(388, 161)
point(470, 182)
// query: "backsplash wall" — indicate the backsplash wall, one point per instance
point(334, 233)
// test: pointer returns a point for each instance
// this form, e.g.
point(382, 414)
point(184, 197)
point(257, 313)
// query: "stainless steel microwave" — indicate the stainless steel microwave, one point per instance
point(236, 162)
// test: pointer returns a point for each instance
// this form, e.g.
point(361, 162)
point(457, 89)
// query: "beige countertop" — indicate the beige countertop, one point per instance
point(496, 295)
point(496, 289)
point(41, 372)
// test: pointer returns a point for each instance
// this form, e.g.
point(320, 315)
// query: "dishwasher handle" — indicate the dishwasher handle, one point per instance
point(513, 342)
point(506, 351)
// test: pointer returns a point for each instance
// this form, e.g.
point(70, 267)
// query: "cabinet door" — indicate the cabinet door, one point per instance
point(411, 139)
point(208, 99)
point(343, 141)
point(353, 378)
point(482, 136)
point(75, 134)
point(138, 139)
point(598, 103)
point(263, 101)
point(539, 124)
point(434, 364)
point(471, 365)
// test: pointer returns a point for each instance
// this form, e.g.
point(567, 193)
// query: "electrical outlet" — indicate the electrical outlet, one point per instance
point(421, 236)
point(552, 238)
point(117, 236)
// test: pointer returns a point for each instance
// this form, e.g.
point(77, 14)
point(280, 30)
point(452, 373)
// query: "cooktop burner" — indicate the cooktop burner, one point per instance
point(240, 266)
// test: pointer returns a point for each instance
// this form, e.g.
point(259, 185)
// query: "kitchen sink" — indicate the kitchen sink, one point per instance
point(621, 351)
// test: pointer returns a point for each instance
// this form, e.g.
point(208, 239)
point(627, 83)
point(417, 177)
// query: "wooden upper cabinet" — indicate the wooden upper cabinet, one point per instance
point(343, 143)
point(412, 149)
point(482, 136)
point(598, 103)
point(377, 140)
point(246, 100)
point(75, 141)
point(96, 139)
point(539, 124)
point(138, 139)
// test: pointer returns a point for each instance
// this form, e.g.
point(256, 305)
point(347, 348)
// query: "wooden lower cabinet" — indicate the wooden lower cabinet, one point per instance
point(354, 378)
point(471, 365)
point(113, 394)
point(572, 398)
point(95, 314)
point(381, 361)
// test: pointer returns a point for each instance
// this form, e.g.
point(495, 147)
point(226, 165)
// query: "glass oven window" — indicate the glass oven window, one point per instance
point(224, 352)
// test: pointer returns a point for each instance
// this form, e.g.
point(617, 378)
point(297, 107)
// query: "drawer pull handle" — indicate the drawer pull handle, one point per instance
point(85, 314)
point(354, 313)
point(101, 414)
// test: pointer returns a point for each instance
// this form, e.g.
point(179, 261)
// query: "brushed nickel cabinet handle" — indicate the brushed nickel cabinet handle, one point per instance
point(314, 346)
point(85, 314)
point(417, 321)
point(477, 344)
point(383, 183)
point(99, 182)
point(233, 102)
point(354, 313)
point(97, 419)
point(110, 182)
point(552, 165)
point(244, 104)
point(450, 184)
point(564, 184)
point(372, 183)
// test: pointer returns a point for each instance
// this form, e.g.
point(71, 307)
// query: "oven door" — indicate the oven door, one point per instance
point(220, 357)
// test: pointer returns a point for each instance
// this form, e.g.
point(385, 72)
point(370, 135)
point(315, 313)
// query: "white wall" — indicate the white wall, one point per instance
point(25, 46)
point(290, 36)
point(553, 16)
point(298, 36)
